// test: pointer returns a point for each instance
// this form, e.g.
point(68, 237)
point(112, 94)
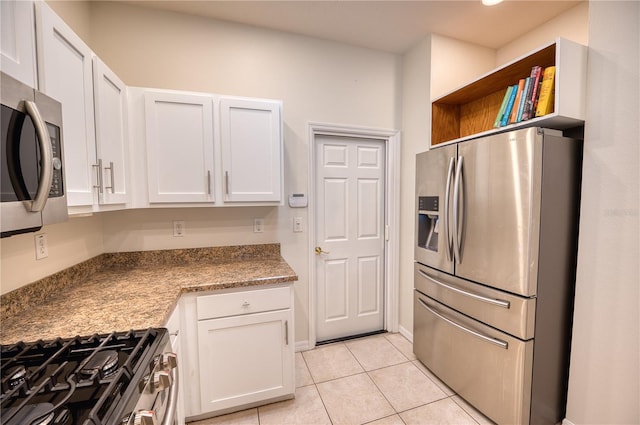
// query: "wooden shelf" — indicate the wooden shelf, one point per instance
point(470, 111)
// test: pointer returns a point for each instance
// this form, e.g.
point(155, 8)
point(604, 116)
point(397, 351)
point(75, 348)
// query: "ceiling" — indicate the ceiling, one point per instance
point(391, 25)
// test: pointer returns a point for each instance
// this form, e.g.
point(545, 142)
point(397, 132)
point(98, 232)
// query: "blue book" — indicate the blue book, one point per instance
point(503, 105)
point(523, 99)
point(509, 107)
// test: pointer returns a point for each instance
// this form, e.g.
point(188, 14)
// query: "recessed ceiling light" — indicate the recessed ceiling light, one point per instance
point(491, 2)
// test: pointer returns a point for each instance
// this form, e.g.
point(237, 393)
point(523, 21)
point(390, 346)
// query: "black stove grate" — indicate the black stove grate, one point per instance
point(81, 380)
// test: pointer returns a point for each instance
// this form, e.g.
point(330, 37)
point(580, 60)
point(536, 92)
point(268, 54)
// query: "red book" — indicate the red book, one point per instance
point(530, 105)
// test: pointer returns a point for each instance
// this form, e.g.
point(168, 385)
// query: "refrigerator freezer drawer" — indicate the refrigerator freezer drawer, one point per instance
point(510, 313)
point(488, 368)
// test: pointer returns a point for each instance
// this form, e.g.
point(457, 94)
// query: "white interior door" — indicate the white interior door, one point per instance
point(349, 231)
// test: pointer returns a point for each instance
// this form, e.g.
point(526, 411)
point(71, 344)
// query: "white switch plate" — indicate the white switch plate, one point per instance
point(178, 228)
point(42, 249)
point(258, 225)
point(297, 224)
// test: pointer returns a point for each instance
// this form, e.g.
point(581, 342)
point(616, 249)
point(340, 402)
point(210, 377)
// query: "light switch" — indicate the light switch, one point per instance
point(297, 224)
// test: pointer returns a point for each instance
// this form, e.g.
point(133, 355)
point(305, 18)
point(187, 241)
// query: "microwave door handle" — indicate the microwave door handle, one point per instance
point(46, 174)
point(447, 196)
point(458, 211)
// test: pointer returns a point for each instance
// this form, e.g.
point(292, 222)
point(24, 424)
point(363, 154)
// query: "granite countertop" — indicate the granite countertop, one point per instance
point(123, 291)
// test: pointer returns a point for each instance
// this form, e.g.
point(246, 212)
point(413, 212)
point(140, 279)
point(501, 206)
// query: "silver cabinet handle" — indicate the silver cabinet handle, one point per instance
point(286, 332)
point(209, 182)
point(110, 168)
point(447, 196)
point(499, 343)
point(499, 303)
point(44, 140)
point(98, 168)
point(457, 220)
point(226, 182)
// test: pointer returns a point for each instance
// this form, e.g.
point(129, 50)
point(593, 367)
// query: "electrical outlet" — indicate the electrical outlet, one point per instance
point(178, 228)
point(42, 249)
point(258, 225)
point(297, 224)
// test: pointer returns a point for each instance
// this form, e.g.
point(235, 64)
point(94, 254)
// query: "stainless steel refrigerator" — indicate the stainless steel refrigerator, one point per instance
point(496, 240)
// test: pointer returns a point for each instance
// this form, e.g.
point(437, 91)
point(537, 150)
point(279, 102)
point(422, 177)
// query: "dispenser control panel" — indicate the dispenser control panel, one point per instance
point(428, 204)
point(428, 221)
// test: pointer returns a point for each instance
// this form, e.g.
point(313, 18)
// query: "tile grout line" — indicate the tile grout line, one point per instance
point(324, 406)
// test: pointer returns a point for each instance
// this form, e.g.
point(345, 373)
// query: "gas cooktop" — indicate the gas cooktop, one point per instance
point(96, 379)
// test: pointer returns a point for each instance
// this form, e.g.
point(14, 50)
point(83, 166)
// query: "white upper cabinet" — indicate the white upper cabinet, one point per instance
point(65, 73)
point(18, 44)
point(112, 143)
point(251, 143)
point(94, 115)
point(179, 134)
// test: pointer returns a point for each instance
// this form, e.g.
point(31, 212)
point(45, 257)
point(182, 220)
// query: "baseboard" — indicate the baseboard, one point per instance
point(566, 421)
point(302, 346)
point(406, 333)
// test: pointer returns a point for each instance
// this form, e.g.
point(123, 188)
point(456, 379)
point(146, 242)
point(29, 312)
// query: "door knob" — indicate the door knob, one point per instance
point(319, 251)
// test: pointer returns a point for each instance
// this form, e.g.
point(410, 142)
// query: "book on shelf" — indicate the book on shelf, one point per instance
point(523, 98)
point(532, 95)
point(503, 106)
point(509, 107)
point(516, 104)
point(547, 92)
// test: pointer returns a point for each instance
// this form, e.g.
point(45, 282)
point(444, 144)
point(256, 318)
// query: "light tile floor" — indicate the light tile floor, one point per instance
point(374, 380)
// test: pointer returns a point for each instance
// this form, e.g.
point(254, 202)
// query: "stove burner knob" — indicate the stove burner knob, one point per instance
point(161, 381)
point(145, 417)
point(169, 361)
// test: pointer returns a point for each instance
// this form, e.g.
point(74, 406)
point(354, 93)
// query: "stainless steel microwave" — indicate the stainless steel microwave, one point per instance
point(31, 171)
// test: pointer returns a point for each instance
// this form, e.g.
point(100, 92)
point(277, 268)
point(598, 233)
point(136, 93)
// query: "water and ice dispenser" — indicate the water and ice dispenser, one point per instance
point(428, 222)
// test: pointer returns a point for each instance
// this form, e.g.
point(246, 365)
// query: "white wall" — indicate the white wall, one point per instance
point(316, 80)
point(605, 372)
point(69, 243)
point(416, 128)
point(571, 25)
point(455, 63)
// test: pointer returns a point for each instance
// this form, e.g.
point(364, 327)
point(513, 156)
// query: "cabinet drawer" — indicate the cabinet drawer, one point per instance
point(243, 302)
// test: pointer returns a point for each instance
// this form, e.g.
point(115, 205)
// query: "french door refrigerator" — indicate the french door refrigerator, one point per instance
point(496, 238)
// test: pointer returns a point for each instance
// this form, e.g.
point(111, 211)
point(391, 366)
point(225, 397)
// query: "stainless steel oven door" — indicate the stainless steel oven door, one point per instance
point(158, 399)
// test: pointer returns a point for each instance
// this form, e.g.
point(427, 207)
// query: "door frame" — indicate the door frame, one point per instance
point(391, 139)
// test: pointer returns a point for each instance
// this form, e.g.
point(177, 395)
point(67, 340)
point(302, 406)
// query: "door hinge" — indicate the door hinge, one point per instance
point(386, 232)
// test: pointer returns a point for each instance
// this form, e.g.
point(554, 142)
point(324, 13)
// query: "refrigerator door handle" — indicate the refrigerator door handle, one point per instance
point(458, 210)
point(499, 343)
point(447, 196)
point(496, 302)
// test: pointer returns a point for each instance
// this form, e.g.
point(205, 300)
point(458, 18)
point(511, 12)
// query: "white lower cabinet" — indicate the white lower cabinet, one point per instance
point(244, 359)
point(245, 350)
